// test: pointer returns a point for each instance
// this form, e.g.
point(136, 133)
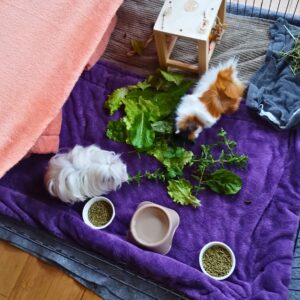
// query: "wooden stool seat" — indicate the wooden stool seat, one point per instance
point(189, 19)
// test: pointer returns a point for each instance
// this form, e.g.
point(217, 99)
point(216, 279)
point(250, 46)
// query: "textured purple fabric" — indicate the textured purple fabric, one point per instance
point(261, 233)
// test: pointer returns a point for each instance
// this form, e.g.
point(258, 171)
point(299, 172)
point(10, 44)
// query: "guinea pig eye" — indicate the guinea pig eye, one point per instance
point(192, 127)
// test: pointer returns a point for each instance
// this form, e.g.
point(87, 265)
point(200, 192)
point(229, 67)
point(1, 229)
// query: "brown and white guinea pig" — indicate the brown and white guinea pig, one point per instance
point(219, 91)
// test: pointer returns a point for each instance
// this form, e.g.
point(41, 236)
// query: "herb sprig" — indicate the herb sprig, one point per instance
point(208, 170)
point(293, 55)
point(157, 175)
point(227, 156)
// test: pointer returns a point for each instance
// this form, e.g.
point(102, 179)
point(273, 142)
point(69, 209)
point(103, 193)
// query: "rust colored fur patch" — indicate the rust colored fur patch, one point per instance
point(224, 95)
point(212, 102)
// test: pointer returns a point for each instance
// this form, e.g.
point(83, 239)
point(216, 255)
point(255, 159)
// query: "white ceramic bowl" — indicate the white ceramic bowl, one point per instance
point(87, 207)
point(216, 243)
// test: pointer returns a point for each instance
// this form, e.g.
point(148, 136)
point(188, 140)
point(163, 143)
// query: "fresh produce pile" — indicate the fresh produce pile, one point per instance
point(293, 55)
point(148, 124)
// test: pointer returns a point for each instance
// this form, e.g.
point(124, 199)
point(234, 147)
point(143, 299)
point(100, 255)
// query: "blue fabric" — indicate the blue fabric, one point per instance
point(274, 90)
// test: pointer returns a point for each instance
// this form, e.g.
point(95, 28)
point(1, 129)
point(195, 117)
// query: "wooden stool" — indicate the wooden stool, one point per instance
point(190, 19)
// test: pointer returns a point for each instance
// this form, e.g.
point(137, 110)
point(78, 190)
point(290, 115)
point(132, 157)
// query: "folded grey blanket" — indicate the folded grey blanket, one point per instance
point(274, 91)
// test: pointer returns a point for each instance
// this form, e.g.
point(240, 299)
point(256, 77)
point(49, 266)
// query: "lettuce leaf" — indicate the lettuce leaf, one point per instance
point(172, 77)
point(180, 191)
point(173, 158)
point(140, 85)
point(115, 100)
point(165, 127)
point(141, 134)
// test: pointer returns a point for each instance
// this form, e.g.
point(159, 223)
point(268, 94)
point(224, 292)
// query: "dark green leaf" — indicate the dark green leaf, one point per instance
point(116, 131)
point(231, 145)
point(182, 89)
point(222, 133)
point(172, 172)
point(224, 182)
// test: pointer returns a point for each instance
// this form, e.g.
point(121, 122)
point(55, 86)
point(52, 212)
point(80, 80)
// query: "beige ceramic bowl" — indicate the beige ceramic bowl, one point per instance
point(153, 227)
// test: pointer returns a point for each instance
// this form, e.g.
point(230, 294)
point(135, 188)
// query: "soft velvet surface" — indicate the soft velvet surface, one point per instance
point(45, 45)
point(274, 89)
point(261, 233)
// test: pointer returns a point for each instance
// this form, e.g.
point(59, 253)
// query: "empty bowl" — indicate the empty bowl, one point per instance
point(98, 212)
point(153, 227)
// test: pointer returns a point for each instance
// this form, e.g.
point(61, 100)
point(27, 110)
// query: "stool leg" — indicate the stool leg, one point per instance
point(203, 56)
point(161, 48)
point(222, 11)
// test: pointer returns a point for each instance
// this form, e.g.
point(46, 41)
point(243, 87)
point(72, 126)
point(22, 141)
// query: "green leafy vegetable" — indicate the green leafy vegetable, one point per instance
point(173, 158)
point(134, 107)
point(146, 109)
point(147, 125)
point(156, 175)
point(163, 127)
point(116, 131)
point(207, 169)
point(224, 182)
point(181, 192)
point(141, 85)
point(141, 134)
point(115, 100)
point(172, 77)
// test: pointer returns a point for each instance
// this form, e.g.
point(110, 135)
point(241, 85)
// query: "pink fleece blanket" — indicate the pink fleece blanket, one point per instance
point(45, 45)
point(48, 142)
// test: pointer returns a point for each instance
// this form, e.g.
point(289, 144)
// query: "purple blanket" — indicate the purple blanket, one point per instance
point(261, 233)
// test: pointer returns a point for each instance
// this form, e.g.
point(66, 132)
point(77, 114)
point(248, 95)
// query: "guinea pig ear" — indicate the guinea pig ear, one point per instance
point(223, 77)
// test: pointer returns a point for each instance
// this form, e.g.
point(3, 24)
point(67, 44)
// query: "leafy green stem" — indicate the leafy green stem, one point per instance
point(156, 175)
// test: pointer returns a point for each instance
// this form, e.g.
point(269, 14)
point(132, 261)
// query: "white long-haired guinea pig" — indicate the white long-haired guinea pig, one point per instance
point(219, 91)
point(84, 172)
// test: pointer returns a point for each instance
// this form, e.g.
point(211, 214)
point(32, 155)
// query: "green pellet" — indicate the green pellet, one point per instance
point(217, 261)
point(100, 213)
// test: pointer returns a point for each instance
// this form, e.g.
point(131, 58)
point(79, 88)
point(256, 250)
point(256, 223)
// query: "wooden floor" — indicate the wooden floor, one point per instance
point(24, 277)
